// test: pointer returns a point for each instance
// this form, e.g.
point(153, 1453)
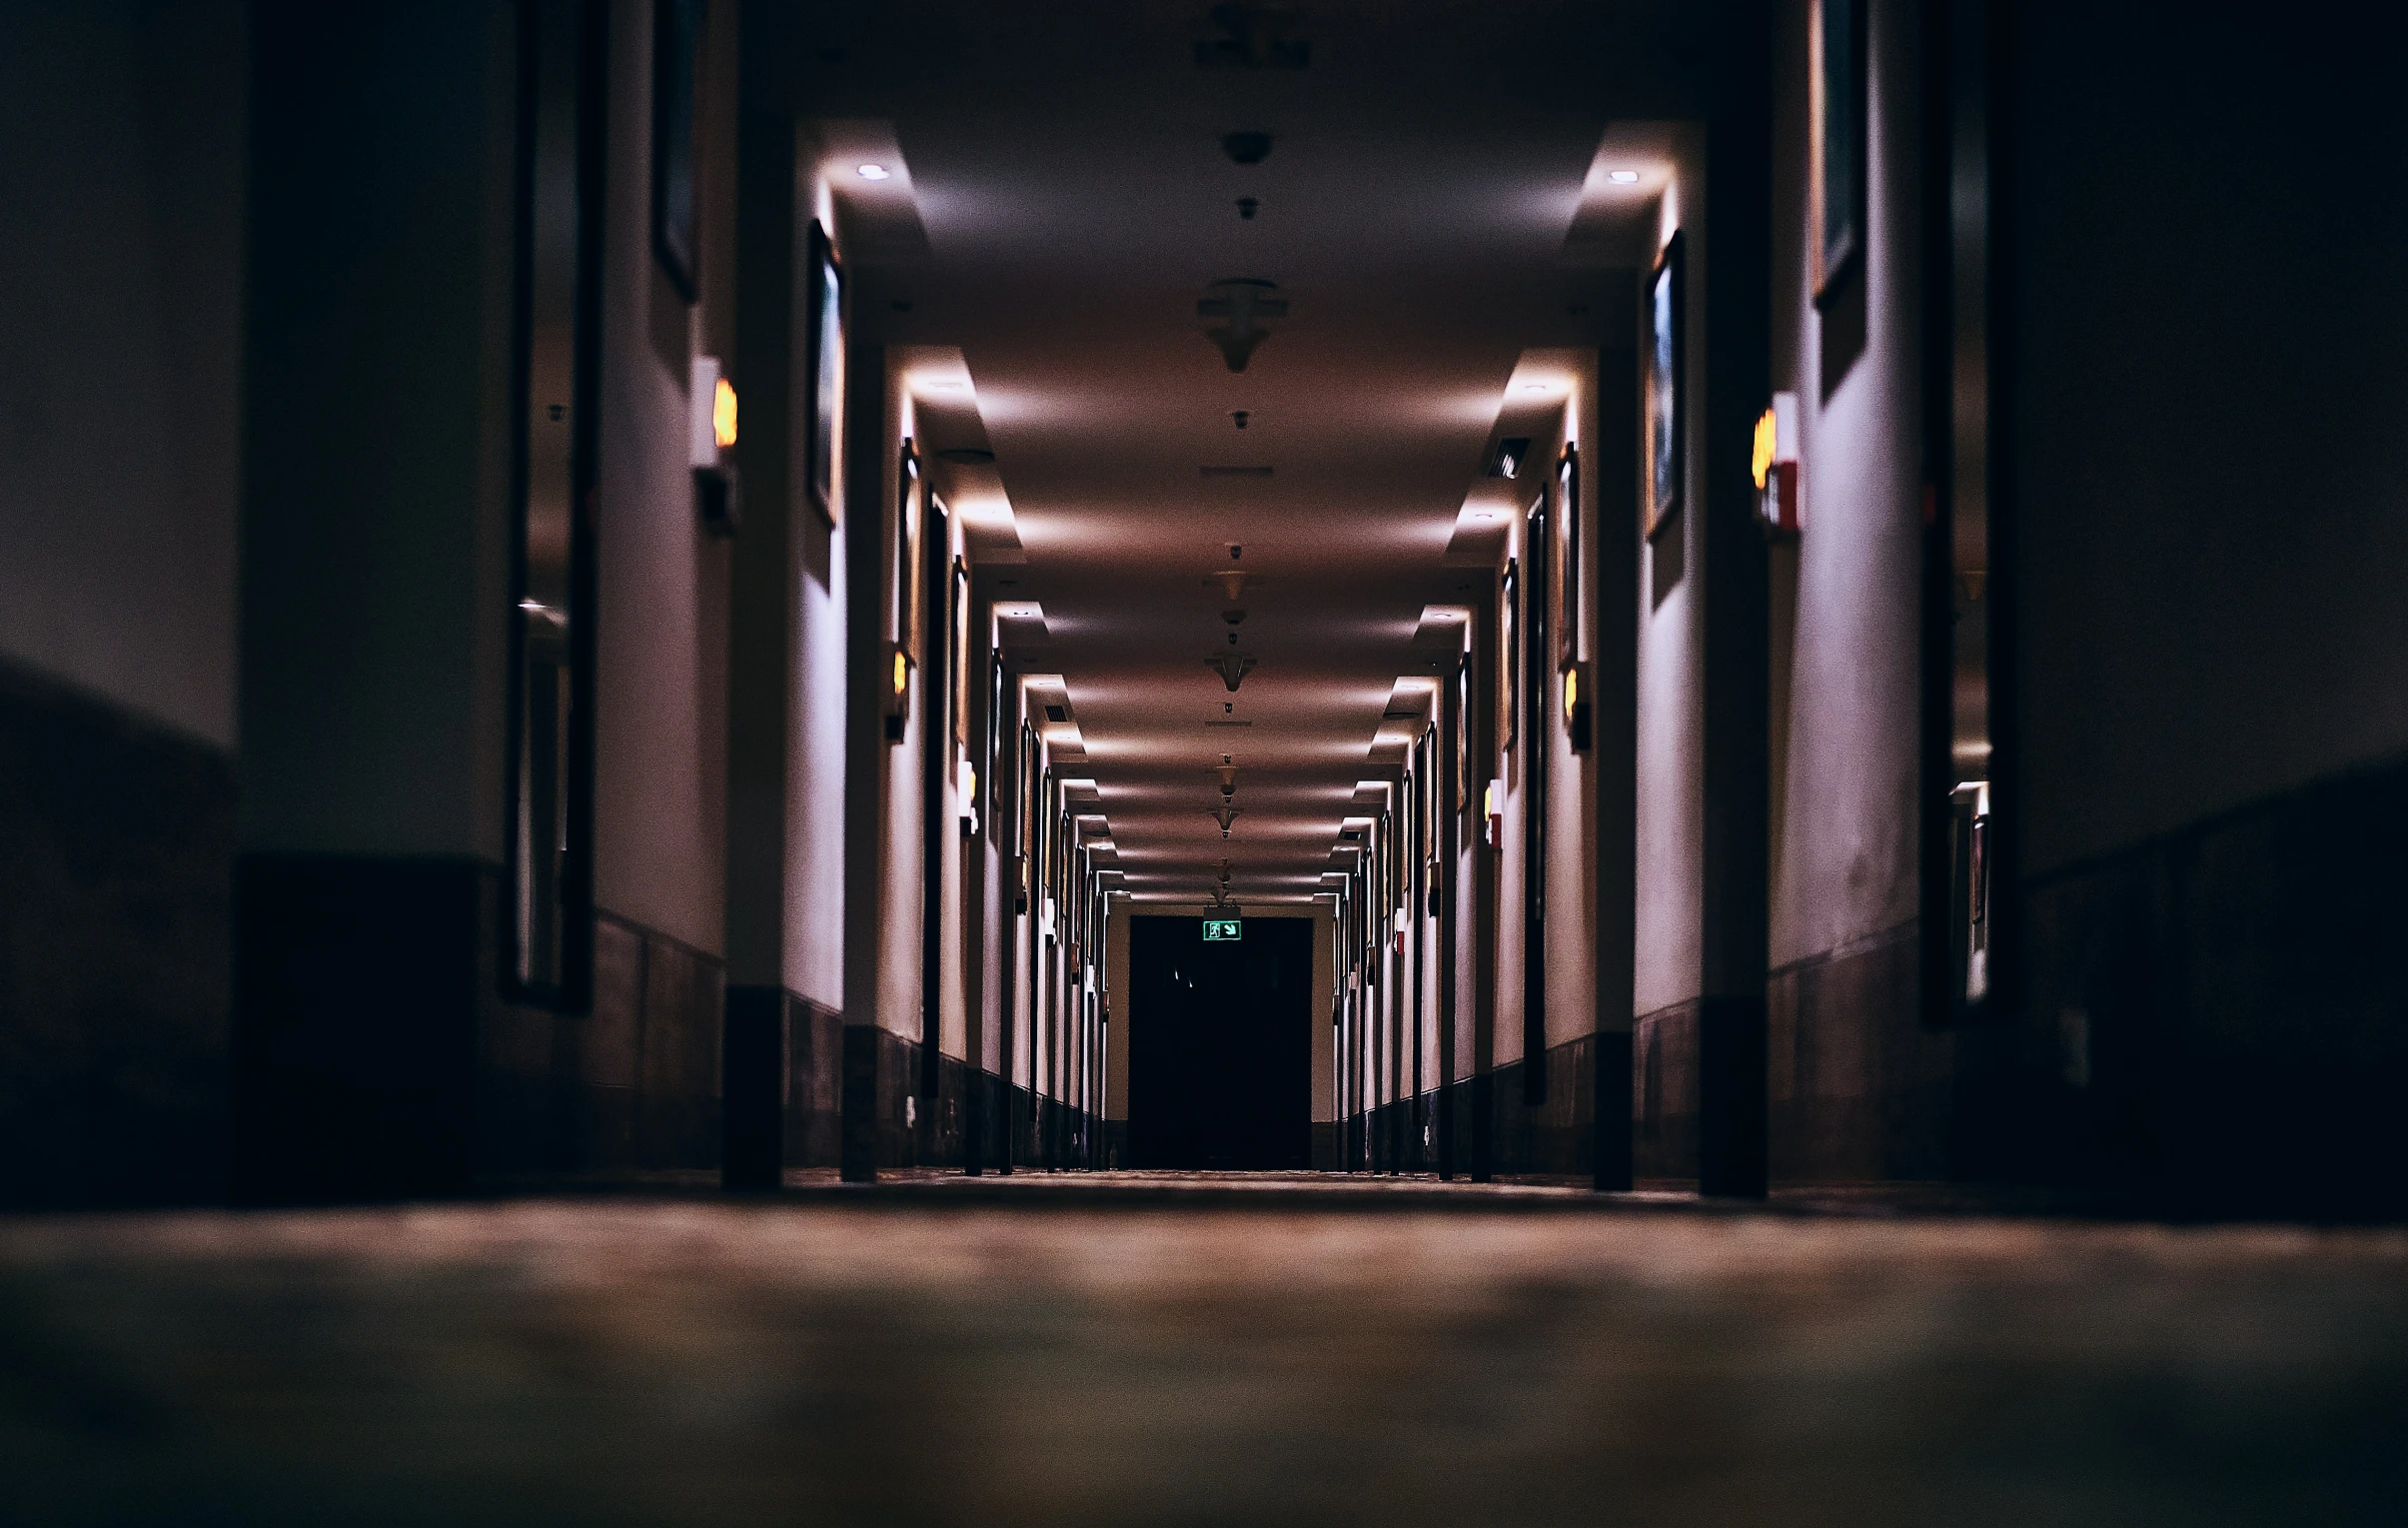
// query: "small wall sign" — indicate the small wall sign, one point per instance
point(1223, 929)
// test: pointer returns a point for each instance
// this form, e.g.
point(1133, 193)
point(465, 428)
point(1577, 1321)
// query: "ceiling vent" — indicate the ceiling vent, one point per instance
point(1507, 463)
point(1255, 38)
point(1057, 713)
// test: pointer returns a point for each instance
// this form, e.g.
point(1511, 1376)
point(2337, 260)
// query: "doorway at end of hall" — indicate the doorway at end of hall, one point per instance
point(1220, 1044)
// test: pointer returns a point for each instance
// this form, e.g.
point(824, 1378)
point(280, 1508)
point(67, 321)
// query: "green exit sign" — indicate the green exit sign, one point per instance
point(1223, 929)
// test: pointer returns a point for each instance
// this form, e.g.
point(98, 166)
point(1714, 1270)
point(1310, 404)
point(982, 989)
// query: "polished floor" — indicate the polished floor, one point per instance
point(1131, 1349)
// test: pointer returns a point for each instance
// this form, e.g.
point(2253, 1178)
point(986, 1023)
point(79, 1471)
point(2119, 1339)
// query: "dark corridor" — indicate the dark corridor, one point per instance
point(1220, 1035)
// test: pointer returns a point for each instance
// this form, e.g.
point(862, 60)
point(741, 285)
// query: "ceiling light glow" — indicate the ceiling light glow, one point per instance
point(1622, 177)
point(873, 171)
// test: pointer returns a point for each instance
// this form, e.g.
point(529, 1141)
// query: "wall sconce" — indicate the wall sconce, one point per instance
point(1492, 810)
point(1578, 713)
point(966, 787)
point(712, 421)
point(898, 690)
point(1774, 465)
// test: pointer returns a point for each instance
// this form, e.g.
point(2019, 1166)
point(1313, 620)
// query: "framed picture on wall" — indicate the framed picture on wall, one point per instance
point(1667, 409)
point(910, 513)
point(676, 52)
point(1461, 725)
point(825, 352)
point(1836, 148)
point(1564, 581)
point(957, 632)
point(1508, 653)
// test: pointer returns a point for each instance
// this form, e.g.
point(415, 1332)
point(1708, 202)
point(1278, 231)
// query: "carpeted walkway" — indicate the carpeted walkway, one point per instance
point(1253, 1353)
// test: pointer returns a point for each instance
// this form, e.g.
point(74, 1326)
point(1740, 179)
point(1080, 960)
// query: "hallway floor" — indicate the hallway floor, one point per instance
point(1135, 1348)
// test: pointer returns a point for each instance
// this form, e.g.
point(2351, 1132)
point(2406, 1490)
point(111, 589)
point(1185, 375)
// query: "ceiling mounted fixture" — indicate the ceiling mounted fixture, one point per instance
point(1243, 301)
point(967, 456)
point(1231, 667)
point(872, 172)
point(1247, 207)
point(1225, 816)
point(1247, 148)
point(1622, 177)
point(1509, 456)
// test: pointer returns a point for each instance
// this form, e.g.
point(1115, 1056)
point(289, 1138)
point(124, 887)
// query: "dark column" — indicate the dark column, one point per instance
point(860, 1148)
point(1483, 723)
point(866, 757)
point(1733, 586)
point(753, 1101)
point(1610, 474)
point(761, 589)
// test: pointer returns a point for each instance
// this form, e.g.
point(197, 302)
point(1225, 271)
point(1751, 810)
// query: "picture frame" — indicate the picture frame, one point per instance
point(1837, 167)
point(911, 514)
point(825, 352)
point(1509, 655)
point(1666, 406)
point(957, 632)
point(1565, 582)
point(1462, 727)
point(677, 202)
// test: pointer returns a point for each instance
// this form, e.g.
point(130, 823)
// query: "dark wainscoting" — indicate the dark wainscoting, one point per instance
point(912, 1131)
point(376, 1057)
point(1664, 1082)
point(117, 846)
point(1860, 1091)
point(2216, 1021)
point(1327, 1136)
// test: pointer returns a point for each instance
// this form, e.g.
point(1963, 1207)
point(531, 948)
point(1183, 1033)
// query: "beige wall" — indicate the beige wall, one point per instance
point(1672, 715)
point(1846, 637)
point(661, 722)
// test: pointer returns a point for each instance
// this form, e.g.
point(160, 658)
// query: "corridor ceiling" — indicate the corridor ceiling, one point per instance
point(1066, 164)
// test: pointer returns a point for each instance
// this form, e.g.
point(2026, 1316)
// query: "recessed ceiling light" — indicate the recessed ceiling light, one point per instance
point(1534, 387)
point(1622, 177)
point(873, 171)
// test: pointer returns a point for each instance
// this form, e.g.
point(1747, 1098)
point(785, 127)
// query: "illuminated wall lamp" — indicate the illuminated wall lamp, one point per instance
point(1492, 811)
point(710, 434)
point(1775, 465)
point(1579, 724)
point(898, 690)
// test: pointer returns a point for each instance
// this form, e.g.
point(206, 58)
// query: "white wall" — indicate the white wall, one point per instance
point(2206, 389)
point(1671, 709)
point(1847, 724)
point(120, 351)
point(661, 723)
